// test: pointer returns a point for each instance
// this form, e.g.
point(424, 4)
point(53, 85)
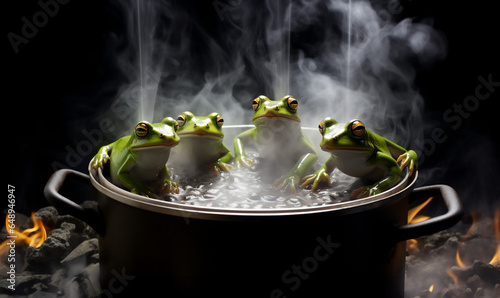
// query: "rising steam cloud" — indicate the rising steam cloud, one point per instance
point(342, 59)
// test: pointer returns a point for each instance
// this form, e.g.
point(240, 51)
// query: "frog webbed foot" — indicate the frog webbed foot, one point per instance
point(144, 191)
point(169, 187)
point(409, 159)
point(318, 179)
point(287, 181)
point(363, 192)
point(243, 162)
point(217, 167)
point(100, 159)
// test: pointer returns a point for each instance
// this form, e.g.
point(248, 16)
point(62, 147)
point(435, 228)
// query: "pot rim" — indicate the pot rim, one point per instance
point(103, 185)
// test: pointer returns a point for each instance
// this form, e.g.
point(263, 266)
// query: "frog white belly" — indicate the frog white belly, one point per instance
point(149, 163)
point(353, 163)
point(194, 150)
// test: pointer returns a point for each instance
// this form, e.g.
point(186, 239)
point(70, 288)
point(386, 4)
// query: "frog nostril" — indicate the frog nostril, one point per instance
point(208, 126)
point(162, 135)
point(276, 108)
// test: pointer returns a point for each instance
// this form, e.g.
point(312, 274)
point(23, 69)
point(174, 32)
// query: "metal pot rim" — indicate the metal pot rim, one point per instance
point(112, 191)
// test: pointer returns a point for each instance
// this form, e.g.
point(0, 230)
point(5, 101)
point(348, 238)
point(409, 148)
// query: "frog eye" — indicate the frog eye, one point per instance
point(141, 130)
point(219, 120)
point(321, 127)
point(176, 125)
point(292, 103)
point(181, 119)
point(358, 128)
point(256, 103)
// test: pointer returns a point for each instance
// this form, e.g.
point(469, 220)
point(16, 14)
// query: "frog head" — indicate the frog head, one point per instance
point(351, 136)
point(155, 135)
point(205, 127)
point(267, 110)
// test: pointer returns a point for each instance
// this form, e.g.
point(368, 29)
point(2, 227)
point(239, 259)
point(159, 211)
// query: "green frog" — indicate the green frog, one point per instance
point(360, 153)
point(279, 140)
point(201, 146)
point(138, 162)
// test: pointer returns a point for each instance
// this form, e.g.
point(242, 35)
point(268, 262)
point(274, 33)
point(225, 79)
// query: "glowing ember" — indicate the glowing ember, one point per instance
point(431, 288)
point(34, 236)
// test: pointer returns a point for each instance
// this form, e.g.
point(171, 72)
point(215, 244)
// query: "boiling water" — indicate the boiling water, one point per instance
point(249, 189)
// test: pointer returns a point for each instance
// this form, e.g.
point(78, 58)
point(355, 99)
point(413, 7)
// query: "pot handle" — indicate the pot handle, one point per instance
point(434, 224)
point(51, 191)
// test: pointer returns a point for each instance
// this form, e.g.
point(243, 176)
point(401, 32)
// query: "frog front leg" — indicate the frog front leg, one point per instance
point(102, 156)
point(222, 164)
point(392, 178)
point(168, 186)
point(406, 157)
point(240, 159)
point(127, 180)
point(321, 176)
point(410, 159)
point(293, 176)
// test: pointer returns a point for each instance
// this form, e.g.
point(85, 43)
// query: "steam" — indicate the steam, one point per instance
point(361, 65)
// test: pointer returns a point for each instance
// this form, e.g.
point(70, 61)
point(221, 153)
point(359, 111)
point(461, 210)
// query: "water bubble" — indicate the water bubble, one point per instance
point(242, 188)
point(254, 197)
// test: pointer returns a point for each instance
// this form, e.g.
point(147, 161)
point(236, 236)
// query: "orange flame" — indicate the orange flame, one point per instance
point(496, 257)
point(412, 244)
point(34, 236)
point(469, 231)
point(414, 218)
point(431, 288)
point(412, 213)
point(452, 275)
point(459, 261)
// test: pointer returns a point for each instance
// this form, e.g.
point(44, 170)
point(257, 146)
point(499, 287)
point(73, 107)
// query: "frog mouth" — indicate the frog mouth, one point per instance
point(272, 115)
point(166, 145)
point(336, 149)
point(198, 134)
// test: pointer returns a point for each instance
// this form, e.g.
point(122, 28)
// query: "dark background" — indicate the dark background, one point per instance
point(52, 81)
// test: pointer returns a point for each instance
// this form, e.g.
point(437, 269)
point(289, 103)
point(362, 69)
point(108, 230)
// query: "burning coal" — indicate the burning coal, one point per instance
point(34, 236)
point(459, 262)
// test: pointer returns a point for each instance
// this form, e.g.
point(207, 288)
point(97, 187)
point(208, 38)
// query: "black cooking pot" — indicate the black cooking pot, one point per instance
point(348, 249)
